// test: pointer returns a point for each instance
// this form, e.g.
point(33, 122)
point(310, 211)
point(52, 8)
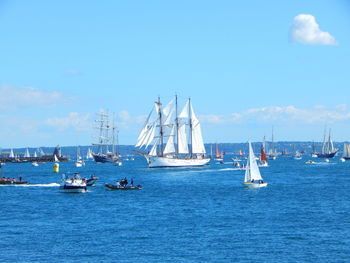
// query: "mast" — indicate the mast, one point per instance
point(176, 127)
point(161, 133)
point(190, 120)
point(113, 134)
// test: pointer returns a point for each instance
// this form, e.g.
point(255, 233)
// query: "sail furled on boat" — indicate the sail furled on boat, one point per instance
point(252, 169)
point(197, 139)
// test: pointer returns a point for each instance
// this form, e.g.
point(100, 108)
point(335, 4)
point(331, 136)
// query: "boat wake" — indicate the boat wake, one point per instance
point(39, 185)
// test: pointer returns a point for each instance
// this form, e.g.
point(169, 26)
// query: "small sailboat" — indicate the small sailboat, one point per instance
point(219, 156)
point(346, 152)
point(297, 155)
point(314, 153)
point(79, 162)
point(263, 159)
point(12, 155)
point(26, 154)
point(89, 155)
point(252, 178)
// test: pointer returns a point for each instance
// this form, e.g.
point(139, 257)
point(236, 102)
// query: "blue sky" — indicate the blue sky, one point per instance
point(247, 65)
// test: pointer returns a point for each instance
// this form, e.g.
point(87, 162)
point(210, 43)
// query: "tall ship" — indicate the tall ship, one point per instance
point(184, 145)
point(106, 148)
point(328, 150)
point(346, 152)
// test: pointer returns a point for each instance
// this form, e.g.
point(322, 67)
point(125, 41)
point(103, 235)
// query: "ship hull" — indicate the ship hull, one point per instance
point(102, 158)
point(326, 155)
point(165, 162)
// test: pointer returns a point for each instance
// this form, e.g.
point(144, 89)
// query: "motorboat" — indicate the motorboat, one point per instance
point(73, 185)
point(11, 181)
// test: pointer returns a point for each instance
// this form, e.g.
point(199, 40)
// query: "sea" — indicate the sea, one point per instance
point(181, 215)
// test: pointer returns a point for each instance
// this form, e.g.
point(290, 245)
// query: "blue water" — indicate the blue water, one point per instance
point(181, 215)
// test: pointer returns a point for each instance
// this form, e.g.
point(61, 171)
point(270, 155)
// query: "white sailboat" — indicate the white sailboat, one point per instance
point(26, 154)
point(252, 178)
point(346, 152)
point(89, 155)
point(12, 155)
point(79, 162)
point(272, 154)
point(177, 152)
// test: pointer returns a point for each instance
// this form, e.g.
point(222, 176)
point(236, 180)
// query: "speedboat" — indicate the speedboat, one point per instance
point(73, 185)
point(35, 164)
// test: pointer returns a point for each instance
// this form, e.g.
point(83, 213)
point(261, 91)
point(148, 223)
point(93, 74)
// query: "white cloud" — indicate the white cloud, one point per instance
point(306, 30)
point(12, 97)
point(283, 114)
point(74, 120)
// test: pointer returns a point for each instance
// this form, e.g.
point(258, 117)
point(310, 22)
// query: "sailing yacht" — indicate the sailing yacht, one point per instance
point(346, 153)
point(263, 159)
point(314, 153)
point(297, 155)
point(79, 162)
point(219, 156)
point(106, 140)
point(328, 150)
point(176, 152)
point(89, 155)
point(26, 154)
point(12, 155)
point(252, 178)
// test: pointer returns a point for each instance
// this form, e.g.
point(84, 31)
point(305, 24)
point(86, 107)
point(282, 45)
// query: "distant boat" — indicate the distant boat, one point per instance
point(26, 154)
point(89, 155)
point(346, 153)
point(252, 178)
point(263, 159)
point(12, 155)
point(314, 153)
point(79, 162)
point(106, 152)
point(219, 156)
point(328, 150)
point(272, 154)
point(35, 164)
point(176, 129)
point(297, 156)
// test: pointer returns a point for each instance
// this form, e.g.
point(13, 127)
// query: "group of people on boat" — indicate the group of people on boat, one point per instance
point(8, 179)
point(124, 182)
point(257, 182)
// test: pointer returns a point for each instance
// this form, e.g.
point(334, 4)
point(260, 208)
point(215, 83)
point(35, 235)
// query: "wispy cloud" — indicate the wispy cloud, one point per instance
point(74, 120)
point(12, 97)
point(284, 114)
point(306, 30)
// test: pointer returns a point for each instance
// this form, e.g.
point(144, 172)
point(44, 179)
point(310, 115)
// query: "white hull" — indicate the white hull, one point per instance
point(255, 185)
point(76, 190)
point(163, 162)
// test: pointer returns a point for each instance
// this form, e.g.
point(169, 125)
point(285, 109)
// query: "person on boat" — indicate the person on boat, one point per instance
point(20, 178)
point(132, 182)
point(252, 181)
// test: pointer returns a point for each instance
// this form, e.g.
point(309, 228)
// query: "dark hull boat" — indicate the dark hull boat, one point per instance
point(326, 155)
point(12, 182)
point(118, 187)
point(103, 158)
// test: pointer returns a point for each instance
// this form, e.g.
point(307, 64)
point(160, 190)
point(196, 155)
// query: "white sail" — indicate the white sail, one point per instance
point(197, 139)
point(12, 155)
point(55, 158)
point(252, 171)
point(170, 146)
point(27, 154)
point(144, 130)
point(346, 152)
point(184, 113)
point(89, 154)
point(168, 112)
point(150, 136)
point(182, 139)
point(153, 151)
point(35, 154)
point(78, 153)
